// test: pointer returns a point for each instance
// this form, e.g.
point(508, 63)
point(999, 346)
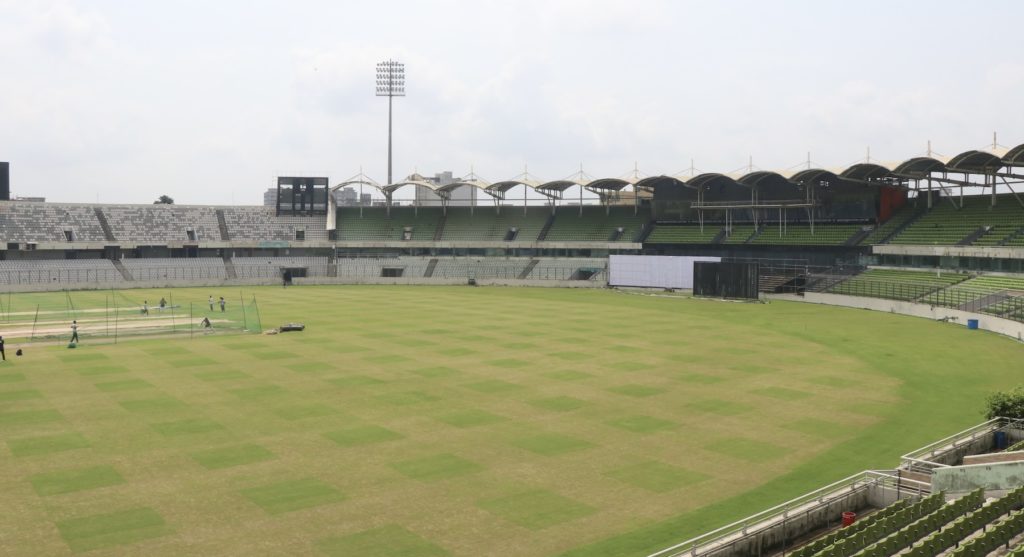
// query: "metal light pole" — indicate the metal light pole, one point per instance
point(390, 84)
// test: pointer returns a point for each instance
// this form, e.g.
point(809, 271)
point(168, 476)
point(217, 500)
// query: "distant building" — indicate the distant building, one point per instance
point(32, 199)
point(463, 196)
point(270, 197)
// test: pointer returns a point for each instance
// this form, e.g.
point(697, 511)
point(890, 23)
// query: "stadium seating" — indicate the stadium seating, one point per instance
point(175, 269)
point(739, 234)
point(270, 267)
point(947, 224)
point(24, 221)
point(485, 267)
point(376, 225)
point(373, 267)
point(800, 234)
point(595, 225)
point(59, 271)
point(889, 532)
point(898, 219)
point(485, 224)
point(683, 234)
point(160, 224)
point(1015, 240)
point(569, 269)
point(257, 224)
point(896, 284)
point(883, 525)
point(976, 289)
point(972, 533)
point(314, 227)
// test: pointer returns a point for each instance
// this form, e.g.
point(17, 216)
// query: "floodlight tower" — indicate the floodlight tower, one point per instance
point(390, 84)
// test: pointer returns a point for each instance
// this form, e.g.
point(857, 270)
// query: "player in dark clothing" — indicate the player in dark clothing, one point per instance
point(3, 355)
point(222, 304)
point(74, 331)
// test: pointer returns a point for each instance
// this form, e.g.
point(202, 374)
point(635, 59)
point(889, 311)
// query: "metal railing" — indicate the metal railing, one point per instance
point(1006, 304)
point(346, 267)
point(60, 276)
point(716, 540)
point(539, 272)
point(144, 274)
point(919, 460)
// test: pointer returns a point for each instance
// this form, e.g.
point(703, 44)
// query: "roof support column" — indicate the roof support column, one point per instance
point(966, 176)
point(1017, 197)
point(753, 201)
point(993, 188)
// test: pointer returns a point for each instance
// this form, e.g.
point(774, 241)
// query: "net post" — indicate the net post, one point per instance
point(191, 320)
point(171, 294)
point(34, 320)
point(117, 314)
point(241, 302)
point(259, 320)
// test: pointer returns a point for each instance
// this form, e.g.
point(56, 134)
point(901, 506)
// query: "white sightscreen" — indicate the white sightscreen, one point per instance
point(654, 271)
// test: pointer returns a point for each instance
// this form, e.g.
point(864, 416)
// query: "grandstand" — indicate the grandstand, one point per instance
point(180, 269)
point(371, 268)
point(596, 224)
point(375, 224)
point(59, 273)
point(49, 222)
point(739, 234)
point(894, 512)
point(806, 235)
point(897, 284)
point(160, 224)
point(896, 222)
point(685, 234)
point(977, 222)
point(256, 224)
point(488, 224)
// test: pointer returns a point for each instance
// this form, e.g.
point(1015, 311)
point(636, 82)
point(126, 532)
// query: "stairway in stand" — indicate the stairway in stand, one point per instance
point(121, 269)
point(108, 233)
point(430, 268)
point(528, 269)
point(222, 224)
point(229, 268)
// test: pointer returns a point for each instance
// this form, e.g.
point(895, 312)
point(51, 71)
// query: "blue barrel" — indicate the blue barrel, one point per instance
point(972, 323)
point(1000, 439)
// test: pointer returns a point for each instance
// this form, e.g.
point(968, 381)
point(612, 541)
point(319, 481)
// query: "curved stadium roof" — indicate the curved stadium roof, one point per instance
point(975, 161)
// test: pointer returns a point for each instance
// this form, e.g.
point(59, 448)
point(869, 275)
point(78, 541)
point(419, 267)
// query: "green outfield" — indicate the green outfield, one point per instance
point(423, 421)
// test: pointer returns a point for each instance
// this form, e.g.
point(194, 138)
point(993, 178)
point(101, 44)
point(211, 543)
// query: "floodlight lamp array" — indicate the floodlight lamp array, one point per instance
point(390, 79)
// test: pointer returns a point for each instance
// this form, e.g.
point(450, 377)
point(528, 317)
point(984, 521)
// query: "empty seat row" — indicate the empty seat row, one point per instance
point(949, 224)
point(896, 284)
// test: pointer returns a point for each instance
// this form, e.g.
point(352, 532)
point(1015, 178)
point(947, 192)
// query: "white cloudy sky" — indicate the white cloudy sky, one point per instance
point(208, 101)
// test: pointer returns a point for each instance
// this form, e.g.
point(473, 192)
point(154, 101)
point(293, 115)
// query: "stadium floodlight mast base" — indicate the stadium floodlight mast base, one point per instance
point(390, 84)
